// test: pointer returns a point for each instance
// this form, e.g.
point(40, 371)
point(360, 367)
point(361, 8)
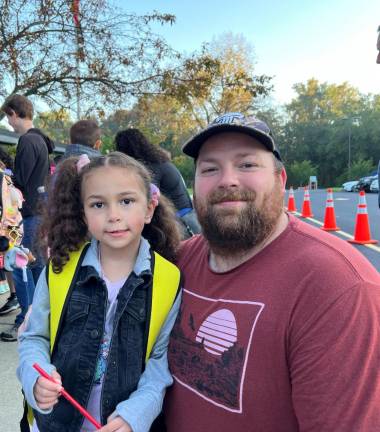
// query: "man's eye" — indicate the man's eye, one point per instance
point(247, 165)
point(208, 170)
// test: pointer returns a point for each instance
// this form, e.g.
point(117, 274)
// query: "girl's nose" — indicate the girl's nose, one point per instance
point(114, 213)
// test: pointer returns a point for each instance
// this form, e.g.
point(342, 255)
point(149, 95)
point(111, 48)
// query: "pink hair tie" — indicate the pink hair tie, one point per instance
point(155, 194)
point(82, 162)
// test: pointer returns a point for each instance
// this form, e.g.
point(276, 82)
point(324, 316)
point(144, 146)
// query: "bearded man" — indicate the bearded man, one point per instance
point(279, 328)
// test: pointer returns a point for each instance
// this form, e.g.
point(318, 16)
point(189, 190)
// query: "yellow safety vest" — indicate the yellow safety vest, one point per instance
point(166, 279)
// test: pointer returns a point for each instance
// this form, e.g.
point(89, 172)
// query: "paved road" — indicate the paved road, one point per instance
point(10, 394)
point(345, 211)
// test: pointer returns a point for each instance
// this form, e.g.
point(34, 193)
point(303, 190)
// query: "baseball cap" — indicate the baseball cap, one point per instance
point(233, 122)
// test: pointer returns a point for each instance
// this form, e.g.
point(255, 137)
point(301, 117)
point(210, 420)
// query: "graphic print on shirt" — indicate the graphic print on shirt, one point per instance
point(102, 360)
point(209, 353)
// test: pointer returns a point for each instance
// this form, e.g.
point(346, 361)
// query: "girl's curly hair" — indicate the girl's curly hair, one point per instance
point(63, 228)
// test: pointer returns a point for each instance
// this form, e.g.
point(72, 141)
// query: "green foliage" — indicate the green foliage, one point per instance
point(56, 124)
point(186, 167)
point(108, 144)
point(332, 126)
point(360, 168)
point(299, 173)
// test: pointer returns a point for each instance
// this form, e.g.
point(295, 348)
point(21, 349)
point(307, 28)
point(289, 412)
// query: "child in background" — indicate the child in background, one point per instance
point(104, 326)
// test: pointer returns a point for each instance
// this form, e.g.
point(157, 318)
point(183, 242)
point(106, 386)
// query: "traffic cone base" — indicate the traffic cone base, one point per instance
point(363, 242)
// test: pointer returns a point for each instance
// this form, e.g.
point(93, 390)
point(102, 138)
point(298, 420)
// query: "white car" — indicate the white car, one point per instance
point(349, 186)
point(374, 186)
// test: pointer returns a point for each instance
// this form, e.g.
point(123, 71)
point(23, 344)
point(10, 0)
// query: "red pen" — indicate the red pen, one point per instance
point(68, 397)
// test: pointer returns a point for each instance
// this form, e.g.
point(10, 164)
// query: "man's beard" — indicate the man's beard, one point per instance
point(232, 231)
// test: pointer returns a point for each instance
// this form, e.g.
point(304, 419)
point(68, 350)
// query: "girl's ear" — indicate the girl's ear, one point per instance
point(150, 211)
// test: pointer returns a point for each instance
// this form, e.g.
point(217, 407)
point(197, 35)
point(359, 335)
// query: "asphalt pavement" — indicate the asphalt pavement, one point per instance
point(345, 211)
point(345, 204)
point(10, 395)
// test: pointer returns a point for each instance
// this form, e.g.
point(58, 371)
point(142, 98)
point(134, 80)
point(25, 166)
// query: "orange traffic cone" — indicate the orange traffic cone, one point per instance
point(362, 232)
point(291, 201)
point(306, 206)
point(330, 222)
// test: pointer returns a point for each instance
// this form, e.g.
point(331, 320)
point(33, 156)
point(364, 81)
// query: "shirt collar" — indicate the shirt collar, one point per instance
point(142, 263)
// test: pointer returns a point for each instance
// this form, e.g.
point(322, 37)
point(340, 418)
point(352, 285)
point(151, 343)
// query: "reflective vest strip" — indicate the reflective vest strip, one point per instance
point(166, 278)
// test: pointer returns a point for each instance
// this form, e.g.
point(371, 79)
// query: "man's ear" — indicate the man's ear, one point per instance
point(283, 177)
point(98, 144)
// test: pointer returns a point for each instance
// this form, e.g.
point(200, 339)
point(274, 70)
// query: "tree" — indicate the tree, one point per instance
point(331, 125)
point(51, 51)
point(300, 172)
point(226, 69)
point(55, 124)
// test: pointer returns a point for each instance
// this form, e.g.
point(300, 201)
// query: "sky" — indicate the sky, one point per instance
point(294, 40)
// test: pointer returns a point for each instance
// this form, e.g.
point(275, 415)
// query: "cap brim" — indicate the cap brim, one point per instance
point(192, 146)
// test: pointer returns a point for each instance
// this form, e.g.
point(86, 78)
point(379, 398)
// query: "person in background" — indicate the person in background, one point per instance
point(165, 174)
point(31, 170)
point(7, 163)
point(85, 138)
point(279, 326)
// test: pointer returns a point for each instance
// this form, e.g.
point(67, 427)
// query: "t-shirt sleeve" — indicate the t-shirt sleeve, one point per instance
point(334, 361)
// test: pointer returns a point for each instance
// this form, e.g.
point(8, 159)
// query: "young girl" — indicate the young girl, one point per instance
point(98, 345)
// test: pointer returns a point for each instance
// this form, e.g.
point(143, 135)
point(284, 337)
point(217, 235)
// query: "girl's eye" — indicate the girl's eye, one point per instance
point(97, 205)
point(126, 201)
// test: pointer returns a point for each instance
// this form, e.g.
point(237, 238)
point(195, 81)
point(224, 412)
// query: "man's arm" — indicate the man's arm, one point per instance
point(334, 362)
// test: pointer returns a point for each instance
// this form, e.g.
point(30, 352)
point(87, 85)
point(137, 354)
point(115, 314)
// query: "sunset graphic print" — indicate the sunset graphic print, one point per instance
point(209, 353)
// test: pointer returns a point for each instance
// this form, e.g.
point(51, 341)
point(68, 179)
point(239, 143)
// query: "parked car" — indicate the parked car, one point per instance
point(375, 186)
point(365, 183)
point(350, 185)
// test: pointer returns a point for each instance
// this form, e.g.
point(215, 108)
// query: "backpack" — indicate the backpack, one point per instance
point(11, 199)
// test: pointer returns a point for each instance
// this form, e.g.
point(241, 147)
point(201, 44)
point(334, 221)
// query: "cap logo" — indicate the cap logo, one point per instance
point(230, 118)
point(241, 120)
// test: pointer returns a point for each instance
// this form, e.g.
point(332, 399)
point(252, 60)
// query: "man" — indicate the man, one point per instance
point(84, 138)
point(279, 325)
point(31, 169)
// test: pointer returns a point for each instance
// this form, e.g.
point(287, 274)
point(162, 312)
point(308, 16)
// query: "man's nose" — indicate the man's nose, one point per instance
point(229, 177)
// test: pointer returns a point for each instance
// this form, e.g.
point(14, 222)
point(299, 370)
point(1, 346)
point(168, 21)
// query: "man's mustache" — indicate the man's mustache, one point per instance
point(220, 196)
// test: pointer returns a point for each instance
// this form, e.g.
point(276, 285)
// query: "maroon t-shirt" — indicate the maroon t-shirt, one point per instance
point(288, 341)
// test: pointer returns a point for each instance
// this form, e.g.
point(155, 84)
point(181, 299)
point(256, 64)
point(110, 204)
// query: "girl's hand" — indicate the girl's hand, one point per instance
point(116, 424)
point(46, 392)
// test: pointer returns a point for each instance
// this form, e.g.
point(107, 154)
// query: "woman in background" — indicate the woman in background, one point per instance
point(165, 175)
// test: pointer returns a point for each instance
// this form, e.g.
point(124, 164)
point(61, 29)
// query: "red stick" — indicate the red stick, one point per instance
point(68, 397)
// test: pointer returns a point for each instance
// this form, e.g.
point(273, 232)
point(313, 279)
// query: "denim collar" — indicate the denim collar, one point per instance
point(142, 264)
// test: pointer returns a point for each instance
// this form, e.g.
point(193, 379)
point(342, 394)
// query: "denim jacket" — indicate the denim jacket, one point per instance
point(131, 389)
point(78, 149)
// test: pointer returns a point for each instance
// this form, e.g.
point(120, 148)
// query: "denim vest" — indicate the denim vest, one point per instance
point(79, 339)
